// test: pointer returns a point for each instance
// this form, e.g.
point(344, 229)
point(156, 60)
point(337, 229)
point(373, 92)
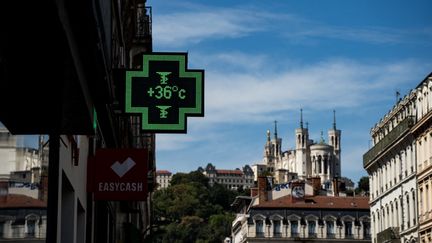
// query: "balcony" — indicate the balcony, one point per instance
point(400, 130)
point(388, 234)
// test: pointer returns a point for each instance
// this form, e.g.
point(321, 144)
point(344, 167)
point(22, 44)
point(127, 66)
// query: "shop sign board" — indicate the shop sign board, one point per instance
point(118, 174)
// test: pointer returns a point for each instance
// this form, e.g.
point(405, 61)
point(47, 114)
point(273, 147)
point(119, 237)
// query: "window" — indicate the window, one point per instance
point(311, 229)
point(294, 229)
point(348, 229)
point(366, 230)
point(330, 229)
point(259, 224)
point(31, 228)
point(277, 228)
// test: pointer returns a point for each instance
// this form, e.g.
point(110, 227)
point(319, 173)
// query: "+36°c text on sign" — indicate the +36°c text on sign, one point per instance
point(164, 92)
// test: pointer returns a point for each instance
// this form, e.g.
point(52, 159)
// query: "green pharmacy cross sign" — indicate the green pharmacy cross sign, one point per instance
point(165, 92)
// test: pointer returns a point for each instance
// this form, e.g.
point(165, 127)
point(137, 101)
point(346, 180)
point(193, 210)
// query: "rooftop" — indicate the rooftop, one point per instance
point(321, 202)
point(236, 172)
point(164, 172)
point(20, 201)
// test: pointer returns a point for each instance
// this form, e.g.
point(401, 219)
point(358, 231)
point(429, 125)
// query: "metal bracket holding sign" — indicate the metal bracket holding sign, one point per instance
point(164, 92)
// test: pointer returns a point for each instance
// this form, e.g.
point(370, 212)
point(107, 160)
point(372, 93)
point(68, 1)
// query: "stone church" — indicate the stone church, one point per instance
point(309, 158)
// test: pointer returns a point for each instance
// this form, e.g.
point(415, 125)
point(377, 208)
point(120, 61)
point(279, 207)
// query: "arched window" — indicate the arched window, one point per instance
point(312, 228)
point(259, 228)
point(348, 229)
point(276, 221)
point(277, 230)
point(294, 228)
point(330, 229)
point(325, 164)
point(408, 211)
point(366, 230)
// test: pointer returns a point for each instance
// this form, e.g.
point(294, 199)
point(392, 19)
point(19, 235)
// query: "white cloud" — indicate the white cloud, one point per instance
point(192, 27)
point(248, 96)
point(199, 23)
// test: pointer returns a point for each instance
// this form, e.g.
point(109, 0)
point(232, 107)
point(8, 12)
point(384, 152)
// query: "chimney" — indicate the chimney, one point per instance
point(335, 186)
point(316, 184)
point(4, 188)
point(262, 189)
point(254, 191)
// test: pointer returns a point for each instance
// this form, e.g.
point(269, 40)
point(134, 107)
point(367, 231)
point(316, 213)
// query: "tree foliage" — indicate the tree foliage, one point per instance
point(191, 211)
point(363, 185)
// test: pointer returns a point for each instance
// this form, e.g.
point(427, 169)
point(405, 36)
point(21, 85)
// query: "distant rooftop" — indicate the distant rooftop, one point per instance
point(20, 201)
point(321, 202)
point(163, 172)
point(236, 172)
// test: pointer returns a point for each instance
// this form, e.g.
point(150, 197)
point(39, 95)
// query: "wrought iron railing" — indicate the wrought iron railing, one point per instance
point(400, 130)
point(388, 234)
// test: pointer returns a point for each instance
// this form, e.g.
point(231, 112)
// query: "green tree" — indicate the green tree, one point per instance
point(191, 211)
point(220, 227)
point(194, 176)
point(363, 185)
point(188, 230)
point(222, 196)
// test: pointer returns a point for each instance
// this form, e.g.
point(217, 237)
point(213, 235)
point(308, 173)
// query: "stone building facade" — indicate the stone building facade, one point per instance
point(231, 179)
point(398, 165)
point(422, 132)
point(300, 218)
point(163, 178)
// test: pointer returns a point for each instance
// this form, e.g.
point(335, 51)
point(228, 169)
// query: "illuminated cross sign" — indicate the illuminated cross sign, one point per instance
point(165, 92)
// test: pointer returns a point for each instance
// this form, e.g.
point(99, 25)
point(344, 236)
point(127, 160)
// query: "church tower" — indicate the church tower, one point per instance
point(273, 151)
point(302, 140)
point(334, 138)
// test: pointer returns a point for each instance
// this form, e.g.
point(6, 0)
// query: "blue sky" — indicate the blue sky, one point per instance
point(264, 60)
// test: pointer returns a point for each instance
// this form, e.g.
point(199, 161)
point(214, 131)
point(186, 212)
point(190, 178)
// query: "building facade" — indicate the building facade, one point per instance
point(231, 179)
point(422, 132)
point(397, 165)
point(16, 157)
point(300, 218)
point(308, 159)
point(83, 47)
point(22, 219)
point(163, 178)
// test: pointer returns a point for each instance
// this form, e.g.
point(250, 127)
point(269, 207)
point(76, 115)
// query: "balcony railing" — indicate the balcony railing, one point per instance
point(143, 22)
point(388, 234)
point(388, 140)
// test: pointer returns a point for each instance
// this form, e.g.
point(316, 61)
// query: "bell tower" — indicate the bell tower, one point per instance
point(273, 151)
point(302, 139)
point(334, 138)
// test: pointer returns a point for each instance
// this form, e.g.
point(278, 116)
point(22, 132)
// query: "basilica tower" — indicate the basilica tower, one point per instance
point(301, 150)
point(334, 138)
point(273, 151)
